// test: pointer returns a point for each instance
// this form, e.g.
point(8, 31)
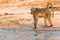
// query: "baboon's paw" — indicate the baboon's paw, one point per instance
point(50, 26)
point(45, 26)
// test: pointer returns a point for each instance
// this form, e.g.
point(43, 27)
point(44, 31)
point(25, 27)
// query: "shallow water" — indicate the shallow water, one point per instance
point(17, 34)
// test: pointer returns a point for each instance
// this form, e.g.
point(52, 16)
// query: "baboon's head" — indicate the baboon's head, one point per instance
point(49, 6)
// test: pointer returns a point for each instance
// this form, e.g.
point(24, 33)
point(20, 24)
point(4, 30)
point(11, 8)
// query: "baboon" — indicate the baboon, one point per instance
point(46, 13)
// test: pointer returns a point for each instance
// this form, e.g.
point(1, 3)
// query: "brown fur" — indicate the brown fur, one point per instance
point(42, 12)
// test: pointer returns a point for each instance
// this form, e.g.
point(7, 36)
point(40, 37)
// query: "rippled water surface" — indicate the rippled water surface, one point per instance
point(17, 34)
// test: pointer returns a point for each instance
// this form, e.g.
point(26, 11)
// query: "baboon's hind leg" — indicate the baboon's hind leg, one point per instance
point(35, 21)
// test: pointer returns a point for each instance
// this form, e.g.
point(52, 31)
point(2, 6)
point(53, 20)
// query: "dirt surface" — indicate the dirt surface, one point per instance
point(20, 27)
point(25, 21)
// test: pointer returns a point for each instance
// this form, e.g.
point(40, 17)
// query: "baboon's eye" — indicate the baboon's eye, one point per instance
point(50, 7)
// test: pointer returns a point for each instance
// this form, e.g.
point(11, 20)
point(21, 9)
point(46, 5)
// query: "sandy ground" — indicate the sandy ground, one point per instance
point(24, 21)
point(13, 27)
point(13, 21)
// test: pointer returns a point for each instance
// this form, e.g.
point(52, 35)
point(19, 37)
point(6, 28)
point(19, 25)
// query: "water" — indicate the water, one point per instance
point(17, 34)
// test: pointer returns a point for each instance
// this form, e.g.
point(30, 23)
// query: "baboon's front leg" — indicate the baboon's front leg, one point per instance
point(50, 21)
point(45, 22)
